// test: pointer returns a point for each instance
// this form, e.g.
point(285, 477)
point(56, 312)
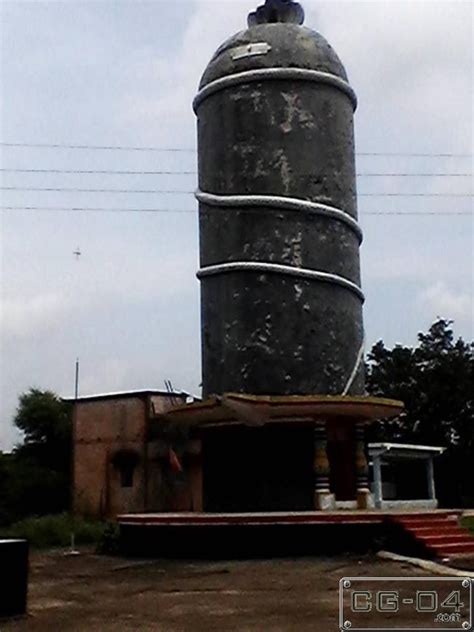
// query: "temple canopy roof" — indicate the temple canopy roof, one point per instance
point(256, 410)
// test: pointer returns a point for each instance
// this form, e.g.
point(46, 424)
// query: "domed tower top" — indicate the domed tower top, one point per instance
point(276, 39)
point(274, 11)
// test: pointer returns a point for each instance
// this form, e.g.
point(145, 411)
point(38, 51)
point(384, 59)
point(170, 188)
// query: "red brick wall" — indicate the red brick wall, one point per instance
point(102, 428)
point(162, 497)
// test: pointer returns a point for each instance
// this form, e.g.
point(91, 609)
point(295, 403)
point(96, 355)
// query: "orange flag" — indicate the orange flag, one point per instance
point(175, 465)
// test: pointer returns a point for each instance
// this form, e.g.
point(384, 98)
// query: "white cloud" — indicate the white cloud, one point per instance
point(112, 374)
point(30, 317)
point(446, 302)
point(415, 257)
point(167, 113)
point(398, 54)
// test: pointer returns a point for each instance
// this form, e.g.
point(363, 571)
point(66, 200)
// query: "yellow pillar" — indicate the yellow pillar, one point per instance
point(323, 499)
point(364, 497)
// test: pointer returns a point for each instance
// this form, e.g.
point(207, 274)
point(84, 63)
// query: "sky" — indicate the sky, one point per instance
point(123, 74)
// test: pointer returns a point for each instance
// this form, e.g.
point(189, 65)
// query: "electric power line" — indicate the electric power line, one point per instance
point(181, 192)
point(80, 190)
point(101, 147)
point(189, 149)
point(194, 211)
point(95, 209)
point(168, 173)
point(101, 172)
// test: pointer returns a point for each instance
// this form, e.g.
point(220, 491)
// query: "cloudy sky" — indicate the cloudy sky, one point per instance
point(123, 74)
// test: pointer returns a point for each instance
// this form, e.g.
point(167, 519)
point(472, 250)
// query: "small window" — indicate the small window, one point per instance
point(125, 461)
point(126, 475)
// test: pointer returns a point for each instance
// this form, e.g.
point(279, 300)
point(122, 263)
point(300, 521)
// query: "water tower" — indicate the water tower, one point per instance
point(279, 240)
point(281, 426)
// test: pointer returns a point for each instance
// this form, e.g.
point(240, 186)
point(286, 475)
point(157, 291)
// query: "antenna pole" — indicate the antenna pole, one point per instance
point(76, 383)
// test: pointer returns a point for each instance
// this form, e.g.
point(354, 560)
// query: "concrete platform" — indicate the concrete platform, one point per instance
point(238, 535)
point(283, 517)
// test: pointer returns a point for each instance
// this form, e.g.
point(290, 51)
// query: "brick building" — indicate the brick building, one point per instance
point(122, 461)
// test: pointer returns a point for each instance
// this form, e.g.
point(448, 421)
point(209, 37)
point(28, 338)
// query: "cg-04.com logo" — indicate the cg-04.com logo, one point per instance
point(405, 603)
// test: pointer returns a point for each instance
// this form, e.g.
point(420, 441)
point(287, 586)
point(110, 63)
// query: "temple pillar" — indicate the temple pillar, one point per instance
point(377, 468)
point(195, 474)
point(365, 499)
point(430, 479)
point(323, 499)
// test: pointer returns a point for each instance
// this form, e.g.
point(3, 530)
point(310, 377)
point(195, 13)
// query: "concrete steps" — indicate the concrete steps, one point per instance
point(446, 550)
point(437, 540)
point(438, 534)
point(427, 531)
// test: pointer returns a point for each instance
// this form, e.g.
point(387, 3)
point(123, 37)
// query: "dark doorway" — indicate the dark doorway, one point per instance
point(341, 455)
point(268, 468)
point(409, 477)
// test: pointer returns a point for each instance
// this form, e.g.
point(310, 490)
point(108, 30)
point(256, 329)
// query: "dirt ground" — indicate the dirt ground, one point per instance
point(91, 592)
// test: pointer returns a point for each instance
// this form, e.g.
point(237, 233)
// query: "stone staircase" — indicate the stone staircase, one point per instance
point(434, 535)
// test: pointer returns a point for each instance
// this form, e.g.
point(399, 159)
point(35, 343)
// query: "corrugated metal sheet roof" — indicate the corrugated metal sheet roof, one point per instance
point(131, 393)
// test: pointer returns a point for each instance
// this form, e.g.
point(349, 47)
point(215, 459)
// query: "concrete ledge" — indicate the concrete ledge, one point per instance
point(432, 567)
point(409, 504)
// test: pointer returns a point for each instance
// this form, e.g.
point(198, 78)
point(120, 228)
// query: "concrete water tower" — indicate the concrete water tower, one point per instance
point(279, 239)
point(281, 427)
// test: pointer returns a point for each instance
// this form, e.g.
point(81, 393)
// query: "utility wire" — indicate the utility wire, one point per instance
point(79, 190)
point(102, 147)
point(194, 211)
point(181, 192)
point(169, 173)
point(186, 149)
point(95, 209)
point(101, 172)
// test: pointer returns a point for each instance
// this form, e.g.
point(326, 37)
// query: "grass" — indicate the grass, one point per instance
point(55, 531)
point(468, 523)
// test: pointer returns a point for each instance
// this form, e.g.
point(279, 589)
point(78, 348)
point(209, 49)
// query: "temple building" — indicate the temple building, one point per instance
point(279, 435)
point(281, 426)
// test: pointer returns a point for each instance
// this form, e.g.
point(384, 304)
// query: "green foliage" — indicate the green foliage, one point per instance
point(35, 478)
point(468, 523)
point(55, 531)
point(42, 417)
point(33, 488)
point(46, 423)
point(108, 543)
point(5, 490)
point(435, 381)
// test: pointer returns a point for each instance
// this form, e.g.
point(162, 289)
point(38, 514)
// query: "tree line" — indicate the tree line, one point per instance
point(435, 380)
point(35, 478)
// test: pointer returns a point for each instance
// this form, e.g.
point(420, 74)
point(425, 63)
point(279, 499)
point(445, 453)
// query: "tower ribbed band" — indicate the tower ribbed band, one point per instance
point(271, 74)
point(278, 268)
point(280, 202)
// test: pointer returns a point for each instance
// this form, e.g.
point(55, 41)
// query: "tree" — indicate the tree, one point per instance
point(35, 478)
point(4, 488)
point(45, 421)
point(42, 416)
point(435, 381)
